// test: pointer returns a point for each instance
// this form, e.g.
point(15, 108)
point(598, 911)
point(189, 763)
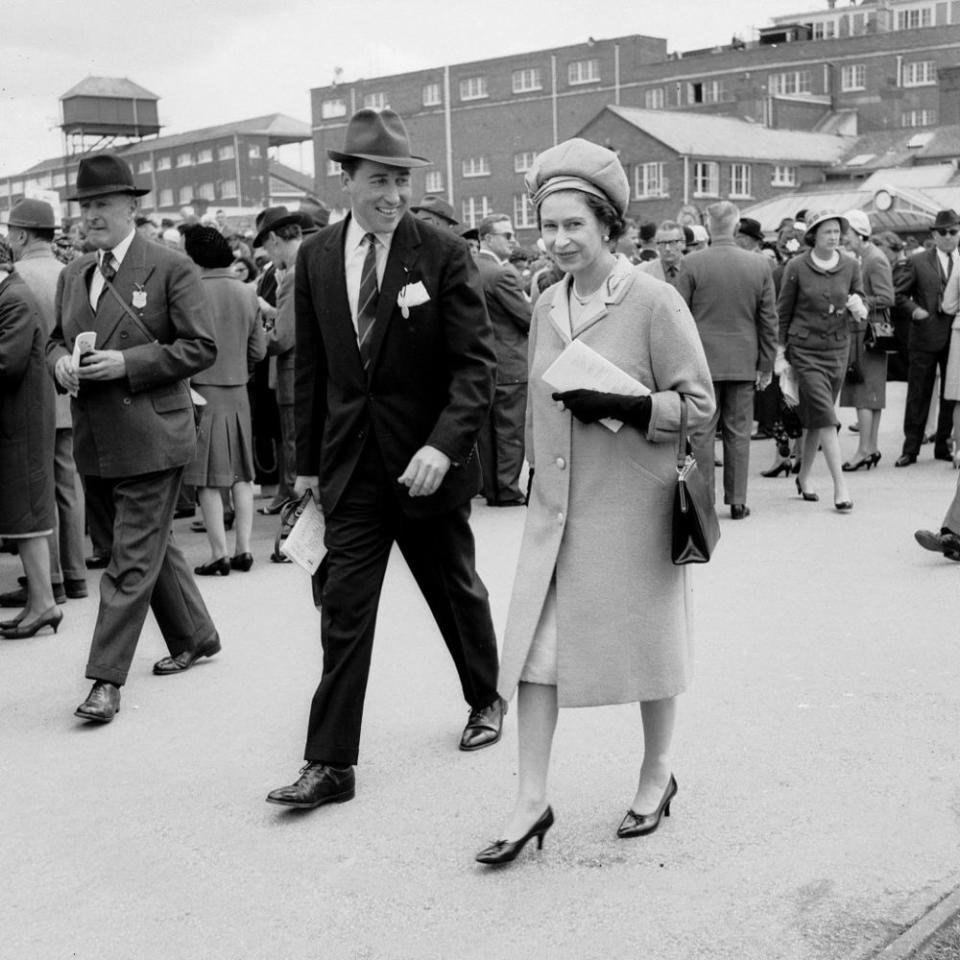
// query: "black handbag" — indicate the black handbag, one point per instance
point(696, 528)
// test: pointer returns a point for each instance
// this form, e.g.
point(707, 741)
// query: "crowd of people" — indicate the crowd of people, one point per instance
point(395, 364)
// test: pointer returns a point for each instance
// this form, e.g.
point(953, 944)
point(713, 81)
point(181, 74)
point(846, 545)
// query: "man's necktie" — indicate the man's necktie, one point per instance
point(107, 267)
point(671, 272)
point(367, 301)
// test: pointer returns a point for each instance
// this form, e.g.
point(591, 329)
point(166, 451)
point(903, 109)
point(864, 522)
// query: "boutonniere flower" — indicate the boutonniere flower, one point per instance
point(411, 295)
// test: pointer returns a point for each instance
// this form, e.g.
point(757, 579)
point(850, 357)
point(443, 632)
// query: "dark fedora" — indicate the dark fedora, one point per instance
point(751, 228)
point(438, 207)
point(380, 136)
point(103, 174)
point(946, 219)
point(273, 218)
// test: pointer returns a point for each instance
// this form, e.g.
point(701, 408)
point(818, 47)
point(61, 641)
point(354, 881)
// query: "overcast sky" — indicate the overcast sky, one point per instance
point(212, 61)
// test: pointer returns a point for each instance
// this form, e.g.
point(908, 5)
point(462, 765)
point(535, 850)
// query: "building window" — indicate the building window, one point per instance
point(649, 181)
point(144, 166)
point(583, 71)
point(166, 197)
point(825, 30)
point(186, 194)
point(914, 19)
point(654, 99)
point(206, 192)
point(333, 168)
point(431, 95)
point(253, 151)
point(163, 163)
point(740, 185)
point(375, 101)
point(708, 91)
point(918, 118)
point(784, 176)
point(527, 80)
point(329, 109)
point(184, 159)
point(522, 162)
point(476, 167)
point(205, 156)
point(706, 179)
point(474, 209)
point(228, 189)
point(433, 182)
point(226, 153)
point(853, 77)
point(787, 84)
point(473, 88)
point(921, 73)
point(59, 179)
point(524, 213)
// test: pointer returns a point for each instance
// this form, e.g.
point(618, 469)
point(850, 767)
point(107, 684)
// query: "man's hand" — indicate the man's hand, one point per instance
point(919, 314)
point(102, 365)
point(764, 380)
point(302, 484)
point(66, 375)
point(425, 472)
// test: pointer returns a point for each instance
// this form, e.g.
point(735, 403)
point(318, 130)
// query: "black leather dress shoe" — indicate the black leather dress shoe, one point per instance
point(640, 824)
point(75, 589)
point(945, 542)
point(98, 561)
point(184, 661)
point(484, 726)
point(738, 511)
point(102, 703)
point(942, 453)
point(905, 459)
point(318, 784)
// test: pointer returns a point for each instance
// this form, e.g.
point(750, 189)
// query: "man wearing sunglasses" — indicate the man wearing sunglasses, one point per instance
point(920, 282)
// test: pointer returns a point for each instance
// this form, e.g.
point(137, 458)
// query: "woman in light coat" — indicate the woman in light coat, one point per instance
point(599, 613)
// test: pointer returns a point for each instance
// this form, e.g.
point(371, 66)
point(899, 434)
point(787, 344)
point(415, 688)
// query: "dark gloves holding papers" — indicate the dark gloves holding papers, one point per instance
point(588, 406)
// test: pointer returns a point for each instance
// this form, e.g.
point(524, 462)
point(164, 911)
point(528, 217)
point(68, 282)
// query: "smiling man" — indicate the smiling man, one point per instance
point(395, 373)
point(133, 425)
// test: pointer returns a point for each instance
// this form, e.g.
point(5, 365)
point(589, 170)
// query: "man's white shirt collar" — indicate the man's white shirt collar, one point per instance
point(120, 250)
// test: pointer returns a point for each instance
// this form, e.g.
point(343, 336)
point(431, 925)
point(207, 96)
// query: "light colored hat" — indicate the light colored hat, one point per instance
point(859, 222)
point(28, 213)
point(700, 234)
point(579, 164)
point(822, 216)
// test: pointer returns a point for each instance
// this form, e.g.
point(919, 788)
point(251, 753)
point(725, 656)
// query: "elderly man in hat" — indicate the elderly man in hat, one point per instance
point(920, 282)
point(133, 424)
point(501, 446)
point(749, 235)
point(30, 230)
point(395, 374)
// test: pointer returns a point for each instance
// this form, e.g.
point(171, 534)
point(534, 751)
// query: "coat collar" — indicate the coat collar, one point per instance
point(615, 287)
point(133, 273)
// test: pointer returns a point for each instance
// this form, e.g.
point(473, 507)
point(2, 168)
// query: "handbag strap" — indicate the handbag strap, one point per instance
point(682, 438)
point(126, 309)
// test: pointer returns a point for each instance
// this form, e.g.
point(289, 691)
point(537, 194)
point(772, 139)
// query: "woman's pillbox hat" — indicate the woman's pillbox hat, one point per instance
point(579, 164)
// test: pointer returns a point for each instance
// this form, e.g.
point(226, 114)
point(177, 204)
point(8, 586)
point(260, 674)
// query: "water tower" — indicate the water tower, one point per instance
point(100, 111)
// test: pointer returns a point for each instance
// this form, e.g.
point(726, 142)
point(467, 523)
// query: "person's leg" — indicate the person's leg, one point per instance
point(487, 455)
point(659, 718)
point(69, 508)
point(736, 419)
point(509, 413)
point(875, 430)
point(945, 411)
point(830, 444)
point(536, 722)
point(865, 436)
point(35, 557)
point(243, 519)
point(211, 506)
point(809, 444)
point(951, 522)
point(702, 443)
point(920, 377)
point(288, 453)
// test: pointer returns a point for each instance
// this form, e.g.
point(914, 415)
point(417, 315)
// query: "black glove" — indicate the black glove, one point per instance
point(526, 496)
point(588, 406)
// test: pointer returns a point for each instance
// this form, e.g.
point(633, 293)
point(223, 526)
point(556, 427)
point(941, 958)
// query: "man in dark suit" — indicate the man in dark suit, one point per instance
point(671, 243)
point(501, 445)
point(920, 281)
point(395, 373)
point(133, 424)
point(730, 294)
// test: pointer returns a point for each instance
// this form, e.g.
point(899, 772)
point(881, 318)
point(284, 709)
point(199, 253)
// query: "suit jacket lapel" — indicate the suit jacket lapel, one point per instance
point(614, 289)
point(133, 271)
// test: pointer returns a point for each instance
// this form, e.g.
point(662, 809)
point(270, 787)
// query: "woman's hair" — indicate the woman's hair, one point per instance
point(613, 224)
point(252, 270)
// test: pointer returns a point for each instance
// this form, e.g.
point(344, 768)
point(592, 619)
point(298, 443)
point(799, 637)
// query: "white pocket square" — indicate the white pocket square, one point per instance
point(412, 295)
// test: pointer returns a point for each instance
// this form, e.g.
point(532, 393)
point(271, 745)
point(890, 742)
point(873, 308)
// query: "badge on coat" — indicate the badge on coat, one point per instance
point(139, 298)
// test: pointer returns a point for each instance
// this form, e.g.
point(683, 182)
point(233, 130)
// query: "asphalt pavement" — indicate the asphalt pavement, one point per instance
point(818, 813)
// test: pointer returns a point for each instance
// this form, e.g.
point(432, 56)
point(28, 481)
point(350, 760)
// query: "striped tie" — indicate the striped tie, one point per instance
point(367, 301)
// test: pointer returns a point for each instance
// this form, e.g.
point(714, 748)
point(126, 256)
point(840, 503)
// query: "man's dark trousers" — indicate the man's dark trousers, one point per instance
point(439, 550)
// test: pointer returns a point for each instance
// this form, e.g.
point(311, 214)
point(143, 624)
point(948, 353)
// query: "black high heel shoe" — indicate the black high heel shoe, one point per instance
point(850, 467)
point(504, 851)
point(809, 497)
point(640, 824)
point(795, 468)
point(875, 458)
point(220, 566)
point(782, 467)
point(241, 561)
point(23, 629)
point(7, 624)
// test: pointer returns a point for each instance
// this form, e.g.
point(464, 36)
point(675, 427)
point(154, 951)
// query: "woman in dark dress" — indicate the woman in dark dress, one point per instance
point(820, 290)
point(26, 449)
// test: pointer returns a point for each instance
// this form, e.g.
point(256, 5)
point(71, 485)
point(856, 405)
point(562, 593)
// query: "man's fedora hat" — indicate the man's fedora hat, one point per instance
point(946, 219)
point(380, 136)
point(273, 218)
point(35, 214)
point(103, 174)
point(438, 207)
point(751, 228)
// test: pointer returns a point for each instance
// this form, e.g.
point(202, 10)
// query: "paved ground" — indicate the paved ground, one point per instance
point(818, 813)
